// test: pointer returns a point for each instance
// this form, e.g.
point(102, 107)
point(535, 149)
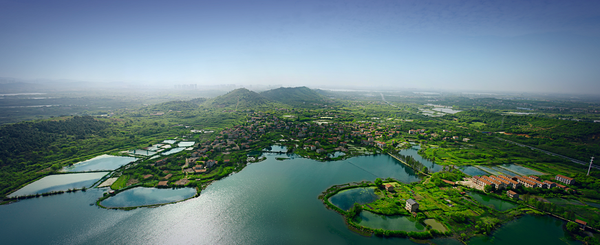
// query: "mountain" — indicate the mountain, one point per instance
point(240, 98)
point(298, 96)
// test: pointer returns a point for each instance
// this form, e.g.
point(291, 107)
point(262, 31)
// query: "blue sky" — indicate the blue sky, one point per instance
point(529, 46)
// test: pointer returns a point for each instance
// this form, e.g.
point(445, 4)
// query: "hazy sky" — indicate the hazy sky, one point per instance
point(535, 46)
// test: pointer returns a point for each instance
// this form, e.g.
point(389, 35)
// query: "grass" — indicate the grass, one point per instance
point(120, 183)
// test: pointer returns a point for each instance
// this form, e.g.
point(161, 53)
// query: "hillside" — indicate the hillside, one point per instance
point(298, 96)
point(240, 98)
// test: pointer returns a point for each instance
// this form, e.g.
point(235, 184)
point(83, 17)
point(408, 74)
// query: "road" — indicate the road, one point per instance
point(550, 153)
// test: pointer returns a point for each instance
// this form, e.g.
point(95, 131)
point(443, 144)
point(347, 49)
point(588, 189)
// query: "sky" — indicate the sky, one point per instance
point(521, 46)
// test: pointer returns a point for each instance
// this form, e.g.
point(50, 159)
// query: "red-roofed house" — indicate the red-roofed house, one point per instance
point(512, 194)
point(582, 224)
point(565, 179)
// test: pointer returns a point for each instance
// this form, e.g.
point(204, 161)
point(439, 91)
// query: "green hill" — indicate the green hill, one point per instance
point(240, 98)
point(299, 96)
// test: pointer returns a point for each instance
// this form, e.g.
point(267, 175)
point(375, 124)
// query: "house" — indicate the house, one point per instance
point(512, 194)
point(582, 224)
point(412, 205)
point(380, 144)
point(389, 187)
point(549, 184)
point(320, 150)
point(565, 179)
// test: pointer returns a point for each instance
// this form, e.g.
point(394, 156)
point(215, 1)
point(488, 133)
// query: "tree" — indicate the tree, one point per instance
point(489, 188)
point(572, 226)
point(378, 182)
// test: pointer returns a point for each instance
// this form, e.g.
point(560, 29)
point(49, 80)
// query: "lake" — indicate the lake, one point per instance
point(486, 200)
point(345, 199)
point(142, 196)
point(269, 202)
point(59, 182)
point(103, 162)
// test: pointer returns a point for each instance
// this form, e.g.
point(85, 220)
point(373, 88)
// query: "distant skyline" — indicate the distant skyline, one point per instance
point(519, 46)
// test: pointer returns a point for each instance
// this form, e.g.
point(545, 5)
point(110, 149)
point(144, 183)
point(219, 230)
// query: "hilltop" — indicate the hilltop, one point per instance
point(298, 96)
point(240, 98)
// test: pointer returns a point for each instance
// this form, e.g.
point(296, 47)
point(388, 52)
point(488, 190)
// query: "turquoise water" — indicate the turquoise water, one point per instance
point(414, 152)
point(528, 229)
point(486, 200)
point(59, 182)
point(104, 162)
point(397, 223)
point(142, 196)
point(346, 198)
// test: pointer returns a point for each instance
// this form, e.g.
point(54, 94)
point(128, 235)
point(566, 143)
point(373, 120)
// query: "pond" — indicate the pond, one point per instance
point(142, 152)
point(346, 198)
point(173, 151)
point(394, 222)
point(562, 202)
point(528, 229)
point(472, 171)
point(521, 170)
point(277, 148)
point(414, 152)
point(170, 142)
point(336, 154)
point(486, 200)
point(186, 143)
point(142, 196)
point(103, 162)
point(504, 171)
point(59, 182)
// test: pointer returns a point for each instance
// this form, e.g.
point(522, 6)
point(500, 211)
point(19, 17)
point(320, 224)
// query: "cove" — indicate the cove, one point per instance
point(486, 200)
point(394, 222)
point(142, 196)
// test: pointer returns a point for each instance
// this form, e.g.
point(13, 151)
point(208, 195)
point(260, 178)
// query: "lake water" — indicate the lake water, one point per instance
point(104, 162)
point(414, 152)
point(346, 198)
point(270, 202)
point(486, 200)
point(396, 222)
point(59, 182)
point(528, 229)
point(142, 196)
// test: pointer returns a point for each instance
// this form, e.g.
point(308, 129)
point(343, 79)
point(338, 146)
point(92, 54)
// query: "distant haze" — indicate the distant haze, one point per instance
point(520, 46)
